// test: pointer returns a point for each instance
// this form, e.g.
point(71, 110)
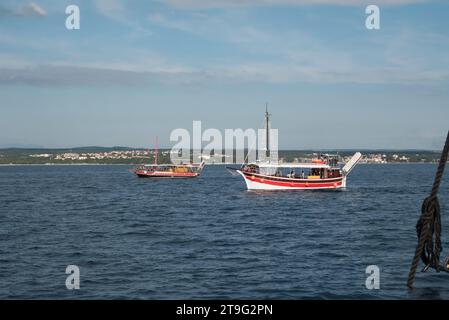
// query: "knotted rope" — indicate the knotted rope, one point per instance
point(428, 227)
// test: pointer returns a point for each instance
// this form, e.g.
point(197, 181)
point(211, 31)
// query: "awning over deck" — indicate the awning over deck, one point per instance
point(294, 165)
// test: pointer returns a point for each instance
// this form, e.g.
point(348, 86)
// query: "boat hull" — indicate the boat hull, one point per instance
point(156, 174)
point(256, 181)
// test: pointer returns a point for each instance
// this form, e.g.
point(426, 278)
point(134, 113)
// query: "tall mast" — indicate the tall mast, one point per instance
point(156, 152)
point(267, 131)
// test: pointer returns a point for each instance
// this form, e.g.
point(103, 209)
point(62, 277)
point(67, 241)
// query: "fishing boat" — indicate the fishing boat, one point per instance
point(189, 170)
point(321, 173)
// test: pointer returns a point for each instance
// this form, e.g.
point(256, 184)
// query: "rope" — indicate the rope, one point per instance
point(428, 227)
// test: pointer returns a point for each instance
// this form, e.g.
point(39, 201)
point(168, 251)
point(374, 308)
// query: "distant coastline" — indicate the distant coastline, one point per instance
point(209, 164)
point(62, 164)
point(136, 156)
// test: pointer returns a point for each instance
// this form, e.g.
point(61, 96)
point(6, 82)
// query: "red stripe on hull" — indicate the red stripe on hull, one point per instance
point(305, 185)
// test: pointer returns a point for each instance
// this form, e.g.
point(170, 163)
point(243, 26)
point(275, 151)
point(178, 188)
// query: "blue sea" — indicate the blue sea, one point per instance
point(210, 238)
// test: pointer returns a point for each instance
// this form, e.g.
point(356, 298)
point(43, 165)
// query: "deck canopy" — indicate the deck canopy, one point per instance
point(294, 165)
point(170, 165)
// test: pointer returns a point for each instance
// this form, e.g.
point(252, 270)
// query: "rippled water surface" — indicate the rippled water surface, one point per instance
point(209, 237)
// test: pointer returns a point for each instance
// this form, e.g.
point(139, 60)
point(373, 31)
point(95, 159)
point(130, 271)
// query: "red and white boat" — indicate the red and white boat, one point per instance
point(318, 174)
point(313, 176)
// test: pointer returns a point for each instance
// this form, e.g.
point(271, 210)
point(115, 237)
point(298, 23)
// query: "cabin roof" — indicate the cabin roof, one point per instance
point(172, 165)
point(294, 165)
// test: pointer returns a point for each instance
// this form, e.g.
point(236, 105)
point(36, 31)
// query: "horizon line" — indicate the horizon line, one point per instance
point(169, 148)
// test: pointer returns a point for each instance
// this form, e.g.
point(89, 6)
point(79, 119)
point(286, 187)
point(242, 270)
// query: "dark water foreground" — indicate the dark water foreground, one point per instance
point(208, 237)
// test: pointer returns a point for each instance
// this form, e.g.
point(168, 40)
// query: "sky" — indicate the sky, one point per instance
point(139, 69)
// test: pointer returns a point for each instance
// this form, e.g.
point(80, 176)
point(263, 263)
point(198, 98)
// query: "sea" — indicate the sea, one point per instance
point(210, 238)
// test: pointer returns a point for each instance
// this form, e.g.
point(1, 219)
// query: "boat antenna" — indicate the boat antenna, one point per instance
point(267, 131)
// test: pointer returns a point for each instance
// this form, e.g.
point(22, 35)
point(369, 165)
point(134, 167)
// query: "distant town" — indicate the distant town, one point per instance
point(124, 155)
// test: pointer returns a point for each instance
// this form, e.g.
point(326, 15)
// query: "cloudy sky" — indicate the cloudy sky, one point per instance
point(137, 69)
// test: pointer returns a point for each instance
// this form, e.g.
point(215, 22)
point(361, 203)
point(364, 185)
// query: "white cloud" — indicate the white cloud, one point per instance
point(115, 73)
point(206, 4)
point(33, 9)
point(14, 62)
point(43, 75)
point(116, 10)
point(268, 57)
point(30, 9)
point(211, 27)
point(113, 9)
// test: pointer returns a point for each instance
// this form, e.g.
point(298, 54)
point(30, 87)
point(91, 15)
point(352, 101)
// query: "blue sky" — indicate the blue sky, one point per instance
point(137, 69)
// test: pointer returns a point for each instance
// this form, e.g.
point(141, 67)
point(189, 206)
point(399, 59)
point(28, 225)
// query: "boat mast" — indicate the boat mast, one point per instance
point(267, 132)
point(156, 151)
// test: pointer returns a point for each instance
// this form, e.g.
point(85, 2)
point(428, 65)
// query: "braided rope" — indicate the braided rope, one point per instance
point(428, 227)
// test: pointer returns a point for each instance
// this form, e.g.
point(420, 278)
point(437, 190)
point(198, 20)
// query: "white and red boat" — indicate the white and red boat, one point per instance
point(318, 174)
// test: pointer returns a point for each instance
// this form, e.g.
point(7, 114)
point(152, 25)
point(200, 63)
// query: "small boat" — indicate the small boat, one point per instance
point(169, 170)
point(318, 174)
point(190, 170)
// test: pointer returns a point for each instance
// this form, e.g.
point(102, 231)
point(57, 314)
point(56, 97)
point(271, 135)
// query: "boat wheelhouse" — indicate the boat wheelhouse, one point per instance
point(321, 173)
